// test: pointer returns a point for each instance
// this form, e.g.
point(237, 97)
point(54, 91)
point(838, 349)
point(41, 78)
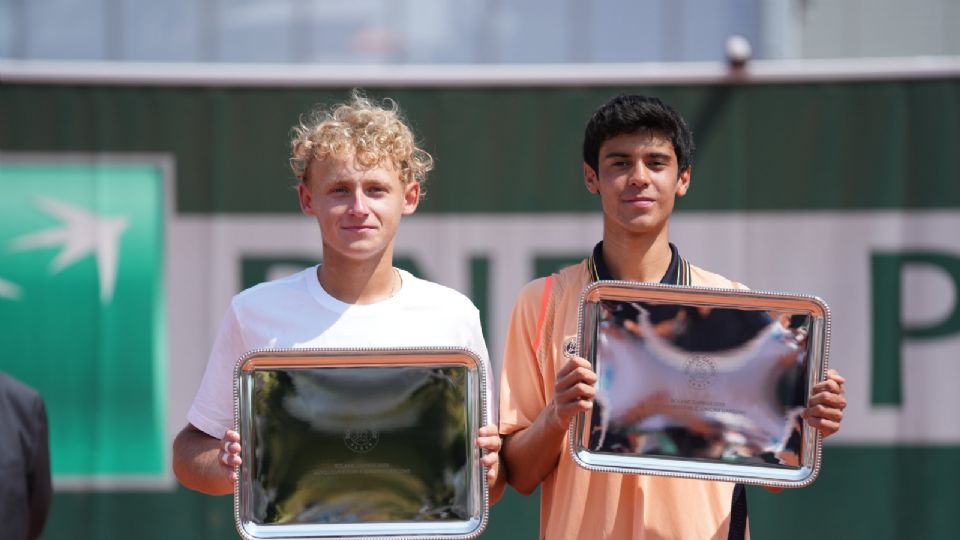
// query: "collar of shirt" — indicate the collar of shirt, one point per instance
point(678, 272)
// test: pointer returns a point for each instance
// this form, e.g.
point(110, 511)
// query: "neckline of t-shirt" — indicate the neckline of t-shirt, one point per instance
point(671, 277)
point(328, 301)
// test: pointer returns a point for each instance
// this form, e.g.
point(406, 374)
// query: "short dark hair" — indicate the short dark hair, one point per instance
point(631, 113)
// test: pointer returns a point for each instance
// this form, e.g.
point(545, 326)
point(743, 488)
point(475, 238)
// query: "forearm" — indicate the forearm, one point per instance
point(196, 463)
point(530, 455)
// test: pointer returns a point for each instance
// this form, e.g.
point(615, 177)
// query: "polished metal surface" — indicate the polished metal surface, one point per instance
point(701, 383)
point(360, 443)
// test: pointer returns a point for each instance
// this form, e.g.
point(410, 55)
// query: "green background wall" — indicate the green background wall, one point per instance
point(813, 147)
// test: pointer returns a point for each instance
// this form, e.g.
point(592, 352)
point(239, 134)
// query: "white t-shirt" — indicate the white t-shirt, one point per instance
point(295, 312)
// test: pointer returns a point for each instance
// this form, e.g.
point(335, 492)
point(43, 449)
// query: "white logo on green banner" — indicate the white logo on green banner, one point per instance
point(82, 308)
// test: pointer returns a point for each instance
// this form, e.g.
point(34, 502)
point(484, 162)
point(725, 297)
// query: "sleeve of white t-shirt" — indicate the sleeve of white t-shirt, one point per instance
point(479, 346)
point(212, 409)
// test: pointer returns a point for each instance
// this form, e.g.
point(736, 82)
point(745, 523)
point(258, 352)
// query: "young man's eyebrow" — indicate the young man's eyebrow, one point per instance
point(375, 182)
point(625, 154)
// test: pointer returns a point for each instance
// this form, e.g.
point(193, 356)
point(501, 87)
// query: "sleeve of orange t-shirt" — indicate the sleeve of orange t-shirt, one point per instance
point(522, 395)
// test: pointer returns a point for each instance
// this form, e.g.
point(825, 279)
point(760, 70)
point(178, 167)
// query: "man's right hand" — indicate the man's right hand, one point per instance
point(532, 453)
point(574, 391)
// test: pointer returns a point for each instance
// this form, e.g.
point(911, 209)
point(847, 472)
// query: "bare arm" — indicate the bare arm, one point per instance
point(205, 464)
point(532, 454)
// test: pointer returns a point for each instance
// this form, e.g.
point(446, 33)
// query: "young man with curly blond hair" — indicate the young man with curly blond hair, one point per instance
point(359, 172)
point(637, 158)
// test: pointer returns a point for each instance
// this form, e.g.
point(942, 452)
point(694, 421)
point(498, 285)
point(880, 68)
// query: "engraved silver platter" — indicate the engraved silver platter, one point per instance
point(360, 443)
point(702, 383)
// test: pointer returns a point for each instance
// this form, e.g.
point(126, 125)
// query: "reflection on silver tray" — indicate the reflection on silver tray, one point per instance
point(701, 383)
point(360, 443)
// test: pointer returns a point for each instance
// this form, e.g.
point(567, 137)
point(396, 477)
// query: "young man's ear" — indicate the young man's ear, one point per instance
point(683, 181)
point(411, 197)
point(306, 198)
point(590, 178)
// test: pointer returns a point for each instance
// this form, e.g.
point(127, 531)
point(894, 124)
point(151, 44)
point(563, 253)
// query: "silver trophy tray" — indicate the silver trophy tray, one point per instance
point(701, 383)
point(360, 443)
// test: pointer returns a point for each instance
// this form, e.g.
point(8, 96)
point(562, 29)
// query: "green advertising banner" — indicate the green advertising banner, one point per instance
point(130, 214)
point(82, 311)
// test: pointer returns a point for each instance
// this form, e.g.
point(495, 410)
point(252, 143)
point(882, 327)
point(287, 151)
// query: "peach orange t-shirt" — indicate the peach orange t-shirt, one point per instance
point(577, 503)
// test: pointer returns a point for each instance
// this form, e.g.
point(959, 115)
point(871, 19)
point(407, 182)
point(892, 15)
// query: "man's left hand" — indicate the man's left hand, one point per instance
point(825, 408)
point(489, 440)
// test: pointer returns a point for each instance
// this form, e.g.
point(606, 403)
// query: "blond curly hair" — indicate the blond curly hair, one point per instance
point(371, 132)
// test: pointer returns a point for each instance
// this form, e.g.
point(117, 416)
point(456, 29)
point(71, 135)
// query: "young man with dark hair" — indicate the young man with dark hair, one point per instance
point(637, 154)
